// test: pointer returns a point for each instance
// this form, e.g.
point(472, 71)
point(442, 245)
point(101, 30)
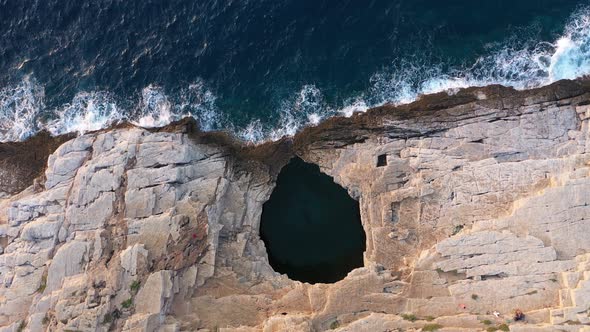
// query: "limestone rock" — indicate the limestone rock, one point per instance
point(479, 203)
point(133, 258)
point(68, 260)
point(158, 289)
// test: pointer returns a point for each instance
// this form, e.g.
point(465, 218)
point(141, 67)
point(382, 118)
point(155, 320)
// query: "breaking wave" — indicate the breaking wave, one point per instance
point(23, 112)
point(519, 64)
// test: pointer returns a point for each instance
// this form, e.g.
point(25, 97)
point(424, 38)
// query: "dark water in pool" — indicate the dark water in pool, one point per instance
point(311, 227)
point(265, 68)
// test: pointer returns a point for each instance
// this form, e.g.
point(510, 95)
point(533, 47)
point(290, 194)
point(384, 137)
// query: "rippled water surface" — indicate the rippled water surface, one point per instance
point(265, 68)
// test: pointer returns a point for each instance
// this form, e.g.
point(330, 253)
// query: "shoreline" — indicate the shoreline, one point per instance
point(161, 227)
point(417, 118)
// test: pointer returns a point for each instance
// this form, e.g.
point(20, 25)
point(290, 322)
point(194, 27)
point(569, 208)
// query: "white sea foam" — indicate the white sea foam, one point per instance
point(356, 106)
point(530, 66)
point(519, 64)
point(86, 112)
point(156, 109)
point(199, 101)
point(19, 107)
point(23, 112)
point(307, 107)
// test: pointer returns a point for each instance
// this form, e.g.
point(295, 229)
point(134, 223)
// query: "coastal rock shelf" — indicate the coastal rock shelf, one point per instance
point(471, 203)
point(311, 227)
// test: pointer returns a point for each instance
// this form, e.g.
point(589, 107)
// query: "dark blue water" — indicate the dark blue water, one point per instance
point(264, 68)
point(311, 227)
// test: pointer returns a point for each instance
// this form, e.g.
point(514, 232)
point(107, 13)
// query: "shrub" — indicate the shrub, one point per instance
point(503, 327)
point(22, 326)
point(334, 325)
point(431, 327)
point(410, 317)
point(108, 318)
point(429, 318)
point(458, 229)
point(486, 322)
point(45, 320)
point(492, 329)
point(474, 296)
point(43, 284)
point(127, 303)
point(135, 286)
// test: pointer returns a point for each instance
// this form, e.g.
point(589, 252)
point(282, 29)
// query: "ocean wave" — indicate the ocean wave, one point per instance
point(308, 107)
point(519, 64)
point(23, 111)
point(20, 106)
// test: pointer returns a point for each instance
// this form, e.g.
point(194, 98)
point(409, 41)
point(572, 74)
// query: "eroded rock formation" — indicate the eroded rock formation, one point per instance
point(471, 202)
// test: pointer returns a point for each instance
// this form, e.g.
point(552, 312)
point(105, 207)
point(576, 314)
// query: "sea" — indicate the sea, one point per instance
point(264, 69)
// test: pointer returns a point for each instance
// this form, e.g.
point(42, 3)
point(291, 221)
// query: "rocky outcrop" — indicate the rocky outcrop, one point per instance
point(126, 221)
point(22, 162)
point(481, 205)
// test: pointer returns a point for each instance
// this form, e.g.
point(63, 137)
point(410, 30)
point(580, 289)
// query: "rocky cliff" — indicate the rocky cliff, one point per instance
point(482, 206)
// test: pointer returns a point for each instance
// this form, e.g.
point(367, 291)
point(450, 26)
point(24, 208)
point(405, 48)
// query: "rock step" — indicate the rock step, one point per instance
point(574, 297)
point(570, 279)
point(546, 328)
point(581, 295)
point(565, 298)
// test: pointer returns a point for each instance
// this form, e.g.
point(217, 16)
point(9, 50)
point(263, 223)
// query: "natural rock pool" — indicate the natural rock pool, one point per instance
point(311, 226)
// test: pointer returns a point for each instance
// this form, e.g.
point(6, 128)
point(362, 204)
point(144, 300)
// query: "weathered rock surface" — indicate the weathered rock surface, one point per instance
point(482, 206)
point(22, 162)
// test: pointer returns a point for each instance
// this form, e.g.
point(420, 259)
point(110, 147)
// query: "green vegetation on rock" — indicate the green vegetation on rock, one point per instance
point(127, 303)
point(410, 317)
point(431, 327)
